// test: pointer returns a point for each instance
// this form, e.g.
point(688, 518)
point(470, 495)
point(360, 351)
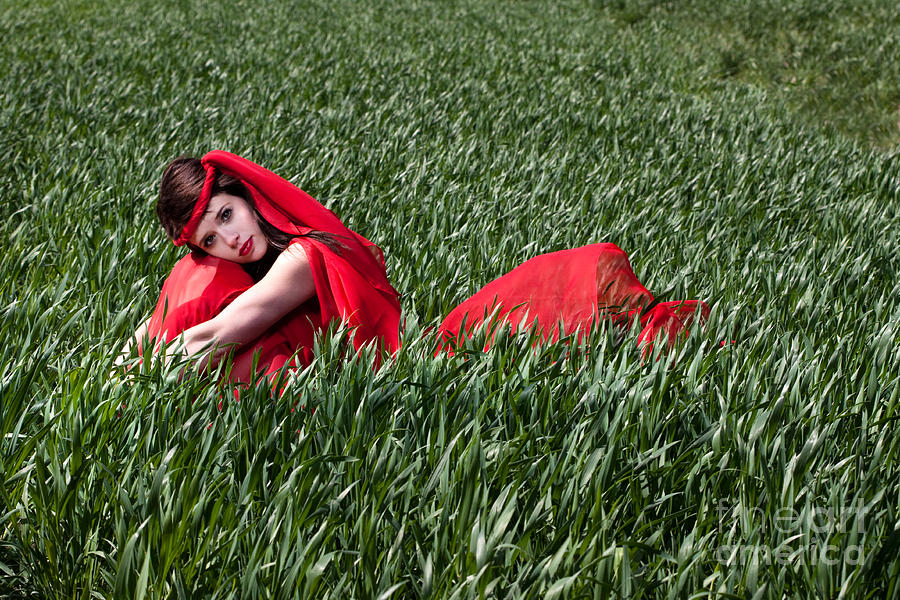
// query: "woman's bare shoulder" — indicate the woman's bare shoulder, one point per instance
point(295, 251)
point(292, 259)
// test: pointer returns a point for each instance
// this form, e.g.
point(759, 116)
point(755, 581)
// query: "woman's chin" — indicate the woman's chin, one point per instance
point(256, 255)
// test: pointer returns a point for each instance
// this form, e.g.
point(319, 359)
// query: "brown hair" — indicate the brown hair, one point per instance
point(181, 184)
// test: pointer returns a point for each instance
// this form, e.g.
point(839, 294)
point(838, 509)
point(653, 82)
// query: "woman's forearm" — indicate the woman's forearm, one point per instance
point(209, 341)
point(288, 284)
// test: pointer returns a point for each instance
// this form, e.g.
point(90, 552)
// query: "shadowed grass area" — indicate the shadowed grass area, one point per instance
point(462, 137)
point(832, 62)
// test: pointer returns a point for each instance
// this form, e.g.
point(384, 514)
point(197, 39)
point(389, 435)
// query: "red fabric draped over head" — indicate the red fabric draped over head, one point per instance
point(351, 282)
point(288, 208)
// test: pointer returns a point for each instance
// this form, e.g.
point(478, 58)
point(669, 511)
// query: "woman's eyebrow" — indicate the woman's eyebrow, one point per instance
point(218, 217)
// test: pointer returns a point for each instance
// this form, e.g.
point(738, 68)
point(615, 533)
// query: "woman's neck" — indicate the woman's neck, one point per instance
point(258, 269)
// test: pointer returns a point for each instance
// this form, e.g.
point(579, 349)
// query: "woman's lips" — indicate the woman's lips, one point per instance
point(247, 247)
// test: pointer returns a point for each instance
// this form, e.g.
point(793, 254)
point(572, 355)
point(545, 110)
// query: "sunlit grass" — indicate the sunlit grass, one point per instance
point(462, 137)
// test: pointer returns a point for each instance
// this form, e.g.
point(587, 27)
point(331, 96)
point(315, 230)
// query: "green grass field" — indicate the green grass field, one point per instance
point(745, 154)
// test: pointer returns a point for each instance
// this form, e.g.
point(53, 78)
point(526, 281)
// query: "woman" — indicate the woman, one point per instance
point(302, 269)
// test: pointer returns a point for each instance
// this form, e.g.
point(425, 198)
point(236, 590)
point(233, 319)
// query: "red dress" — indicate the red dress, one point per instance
point(572, 290)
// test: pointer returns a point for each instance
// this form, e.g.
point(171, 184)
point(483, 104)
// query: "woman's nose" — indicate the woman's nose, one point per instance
point(232, 237)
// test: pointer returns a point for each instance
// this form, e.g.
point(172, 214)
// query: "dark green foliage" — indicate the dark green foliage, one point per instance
point(463, 137)
point(831, 61)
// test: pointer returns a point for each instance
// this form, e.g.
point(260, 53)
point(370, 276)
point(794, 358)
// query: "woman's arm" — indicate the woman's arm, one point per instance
point(288, 284)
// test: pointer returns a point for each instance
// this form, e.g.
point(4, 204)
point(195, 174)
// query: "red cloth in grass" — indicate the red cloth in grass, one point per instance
point(572, 288)
point(351, 283)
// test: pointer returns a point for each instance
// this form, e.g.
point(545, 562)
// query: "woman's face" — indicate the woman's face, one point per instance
point(229, 230)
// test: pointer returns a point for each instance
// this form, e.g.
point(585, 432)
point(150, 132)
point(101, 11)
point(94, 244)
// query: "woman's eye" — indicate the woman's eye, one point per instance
point(226, 214)
point(208, 241)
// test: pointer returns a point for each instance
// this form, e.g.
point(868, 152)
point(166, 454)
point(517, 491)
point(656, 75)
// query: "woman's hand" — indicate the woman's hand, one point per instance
point(287, 285)
point(134, 341)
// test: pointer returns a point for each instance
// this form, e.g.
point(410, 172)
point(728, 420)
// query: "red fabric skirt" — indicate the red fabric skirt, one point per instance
point(566, 293)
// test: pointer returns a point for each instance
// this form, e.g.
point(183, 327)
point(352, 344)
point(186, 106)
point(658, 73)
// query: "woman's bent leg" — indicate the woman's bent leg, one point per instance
point(574, 288)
